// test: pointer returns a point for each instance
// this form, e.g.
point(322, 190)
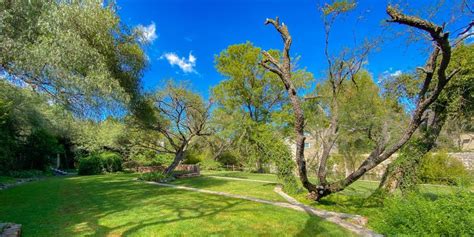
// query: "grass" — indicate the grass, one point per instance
point(7, 180)
point(242, 175)
point(351, 200)
point(115, 205)
point(248, 188)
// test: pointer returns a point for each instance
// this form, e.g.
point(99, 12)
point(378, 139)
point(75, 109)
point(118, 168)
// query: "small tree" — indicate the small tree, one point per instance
point(179, 116)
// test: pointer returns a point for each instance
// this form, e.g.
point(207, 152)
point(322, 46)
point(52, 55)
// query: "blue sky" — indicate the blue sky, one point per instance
point(185, 35)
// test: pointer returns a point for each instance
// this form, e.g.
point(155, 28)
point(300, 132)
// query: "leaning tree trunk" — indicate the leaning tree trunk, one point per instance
point(179, 156)
point(402, 173)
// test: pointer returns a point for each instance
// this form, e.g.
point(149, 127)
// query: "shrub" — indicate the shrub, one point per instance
point(161, 160)
point(417, 215)
point(192, 157)
point(443, 169)
point(25, 173)
point(151, 158)
point(210, 164)
point(111, 161)
point(90, 165)
point(132, 165)
point(156, 177)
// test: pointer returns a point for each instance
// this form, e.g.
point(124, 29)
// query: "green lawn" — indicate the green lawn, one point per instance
point(115, 205)
point(247, 188)
point(350, 200)
point(242, 175)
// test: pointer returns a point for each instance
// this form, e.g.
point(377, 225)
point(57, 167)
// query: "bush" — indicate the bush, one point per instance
point(192, 157)
point(25, 173)
point(443, 169)
point(417, 215)
point(151, 158)
point(156, 177)
point(131, 165)
point(90, 165)
point(97, 163)
point(111, 162)
point(210, 164)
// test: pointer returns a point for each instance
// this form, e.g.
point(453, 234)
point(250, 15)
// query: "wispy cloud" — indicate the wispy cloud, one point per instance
point(147, 33)
point(396, 73)
point(187, 65)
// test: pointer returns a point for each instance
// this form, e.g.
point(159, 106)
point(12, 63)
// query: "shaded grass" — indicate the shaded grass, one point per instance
point(115, 205)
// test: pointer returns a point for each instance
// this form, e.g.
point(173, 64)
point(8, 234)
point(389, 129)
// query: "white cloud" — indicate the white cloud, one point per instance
point(147, 33)
point(396, 73)
point(187, 65)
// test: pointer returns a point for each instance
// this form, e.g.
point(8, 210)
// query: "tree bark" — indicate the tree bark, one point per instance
point(397, 173)
point(381, 152)
point(282, 68)
point(179, 156)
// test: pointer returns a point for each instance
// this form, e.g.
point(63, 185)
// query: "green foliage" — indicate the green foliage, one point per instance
point(417, 215)
point(443, 169)
point(109, 134)
point(90, 165)
point(39, 45)
point(193, 156)
point(210, 164)
point(32, 132)
point(250, 101)
point(156, 177)
point(98, 163)
point(151, 158)
point(111, 161)
point(338, 7)
point(26, 173)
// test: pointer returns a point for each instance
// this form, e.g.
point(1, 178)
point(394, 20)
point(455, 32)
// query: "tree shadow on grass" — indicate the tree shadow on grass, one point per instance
point(200, 182)
point(111, 205)
point(158, 206)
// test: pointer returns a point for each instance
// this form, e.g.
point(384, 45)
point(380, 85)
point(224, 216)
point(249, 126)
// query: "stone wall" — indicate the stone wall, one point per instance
point(467, 158)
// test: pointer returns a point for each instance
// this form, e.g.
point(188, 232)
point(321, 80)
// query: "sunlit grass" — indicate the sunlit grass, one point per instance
point(247, 188)
point(116, 205)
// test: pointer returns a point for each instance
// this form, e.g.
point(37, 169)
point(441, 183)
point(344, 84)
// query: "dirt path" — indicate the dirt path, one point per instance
point(342, 219)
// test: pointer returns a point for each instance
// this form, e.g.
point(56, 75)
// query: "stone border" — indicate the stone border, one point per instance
point(18, 182)
point(354, 223)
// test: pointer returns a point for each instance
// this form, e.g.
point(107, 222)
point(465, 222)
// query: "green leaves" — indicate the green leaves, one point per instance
point(76, 52)
point(338, 6)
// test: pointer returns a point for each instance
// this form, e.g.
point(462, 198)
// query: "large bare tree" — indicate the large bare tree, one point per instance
point(430, 89)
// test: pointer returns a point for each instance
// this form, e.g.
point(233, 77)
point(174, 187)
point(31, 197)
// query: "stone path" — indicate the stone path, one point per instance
point(341, 219)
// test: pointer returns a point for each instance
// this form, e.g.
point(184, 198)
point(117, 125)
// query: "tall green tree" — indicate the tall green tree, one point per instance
point(78, 52)
point(247, 101)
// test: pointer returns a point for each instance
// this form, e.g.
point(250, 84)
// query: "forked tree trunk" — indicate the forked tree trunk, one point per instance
point(381, 152)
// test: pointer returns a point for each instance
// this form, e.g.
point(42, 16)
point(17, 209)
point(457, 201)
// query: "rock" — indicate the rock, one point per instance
point(10, 230)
